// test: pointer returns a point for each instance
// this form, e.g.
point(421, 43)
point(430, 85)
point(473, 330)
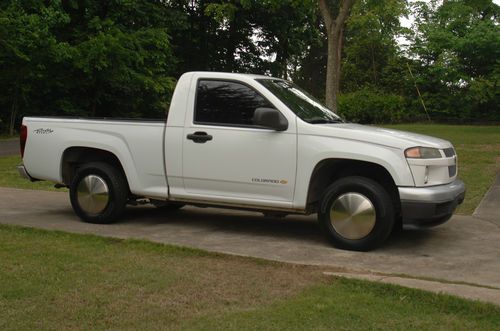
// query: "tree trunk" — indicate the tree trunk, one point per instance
point(334, 25)
point(332, 85)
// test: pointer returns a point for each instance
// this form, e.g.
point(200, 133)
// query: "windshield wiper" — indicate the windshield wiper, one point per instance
point(318, 120)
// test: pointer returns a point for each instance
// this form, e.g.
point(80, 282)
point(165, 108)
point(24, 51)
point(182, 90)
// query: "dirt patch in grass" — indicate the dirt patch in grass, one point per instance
point(487, 148)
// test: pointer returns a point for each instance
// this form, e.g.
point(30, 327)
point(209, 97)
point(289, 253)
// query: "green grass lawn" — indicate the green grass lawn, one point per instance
point(9, 177)
point(7, 137)
point(55, 280)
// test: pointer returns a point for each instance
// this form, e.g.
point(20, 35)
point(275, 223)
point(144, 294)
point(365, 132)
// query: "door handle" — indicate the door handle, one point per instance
point(199, 137)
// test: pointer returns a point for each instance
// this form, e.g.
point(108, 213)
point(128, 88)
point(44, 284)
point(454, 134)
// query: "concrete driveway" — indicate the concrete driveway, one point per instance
point(466, 249)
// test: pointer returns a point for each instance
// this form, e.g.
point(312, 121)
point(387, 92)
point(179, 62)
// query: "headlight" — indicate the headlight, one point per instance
point(423, 153)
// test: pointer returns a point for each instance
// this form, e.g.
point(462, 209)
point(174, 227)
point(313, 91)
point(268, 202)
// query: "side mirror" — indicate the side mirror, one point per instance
point(270, 118)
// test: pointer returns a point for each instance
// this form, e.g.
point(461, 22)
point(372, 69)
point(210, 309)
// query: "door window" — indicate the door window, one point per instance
point(227, 103)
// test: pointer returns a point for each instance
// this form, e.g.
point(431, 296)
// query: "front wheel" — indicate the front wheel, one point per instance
point(98, 193)
point(356, 213)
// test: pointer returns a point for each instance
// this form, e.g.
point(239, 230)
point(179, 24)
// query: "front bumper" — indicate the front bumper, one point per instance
point(430, 206)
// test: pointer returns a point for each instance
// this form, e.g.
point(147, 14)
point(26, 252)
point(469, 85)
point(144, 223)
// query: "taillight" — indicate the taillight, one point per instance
point(23, 137)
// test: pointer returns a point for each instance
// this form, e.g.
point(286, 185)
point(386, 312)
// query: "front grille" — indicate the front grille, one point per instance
point(452, 170)
point(449, 152)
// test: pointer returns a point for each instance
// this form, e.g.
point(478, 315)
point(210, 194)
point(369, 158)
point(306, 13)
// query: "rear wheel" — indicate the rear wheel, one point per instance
point(356, 213)
point(98, 193)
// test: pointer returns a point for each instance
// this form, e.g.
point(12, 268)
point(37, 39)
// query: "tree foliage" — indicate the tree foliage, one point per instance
point(244, 35)
point(122, 57)
point(371, 50)
point(85, 58)
point(456, 57)
point(371, 56)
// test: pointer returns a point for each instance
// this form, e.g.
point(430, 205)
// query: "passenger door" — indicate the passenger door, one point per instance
point(228, 158)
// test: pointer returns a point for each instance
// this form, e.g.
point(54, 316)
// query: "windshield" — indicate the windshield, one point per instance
point(300, 102)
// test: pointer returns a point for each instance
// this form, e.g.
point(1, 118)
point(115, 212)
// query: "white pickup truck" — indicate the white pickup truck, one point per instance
point(249, 142)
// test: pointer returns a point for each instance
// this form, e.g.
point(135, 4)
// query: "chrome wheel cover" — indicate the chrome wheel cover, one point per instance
point(353, 216)
point(92, 195)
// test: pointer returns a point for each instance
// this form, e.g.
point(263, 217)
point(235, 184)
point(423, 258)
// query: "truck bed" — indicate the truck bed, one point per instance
point(140, 154)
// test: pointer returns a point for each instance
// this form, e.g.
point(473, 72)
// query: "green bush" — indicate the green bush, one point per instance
point(370, 106)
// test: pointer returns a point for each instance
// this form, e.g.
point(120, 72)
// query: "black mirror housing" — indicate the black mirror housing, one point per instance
point(270, 118)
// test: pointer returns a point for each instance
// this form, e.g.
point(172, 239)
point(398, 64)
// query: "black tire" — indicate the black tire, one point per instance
point(377, 225)
point(167, 206)
point(109, 209)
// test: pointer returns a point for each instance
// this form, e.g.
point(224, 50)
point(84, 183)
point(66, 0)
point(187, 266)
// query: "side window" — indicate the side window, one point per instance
point(225, 102)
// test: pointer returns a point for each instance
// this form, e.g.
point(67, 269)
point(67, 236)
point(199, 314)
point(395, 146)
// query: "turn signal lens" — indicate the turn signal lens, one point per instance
point(423, 153)
point(413, 153)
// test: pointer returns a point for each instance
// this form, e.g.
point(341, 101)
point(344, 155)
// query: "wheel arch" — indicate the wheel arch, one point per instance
point(328, 171)
point(75, 156)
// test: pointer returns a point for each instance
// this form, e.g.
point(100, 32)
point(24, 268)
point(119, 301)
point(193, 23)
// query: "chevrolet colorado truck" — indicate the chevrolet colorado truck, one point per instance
point(249, 142)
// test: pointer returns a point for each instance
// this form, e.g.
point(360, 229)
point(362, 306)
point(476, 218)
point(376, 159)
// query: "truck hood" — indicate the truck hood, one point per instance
point(380, 136)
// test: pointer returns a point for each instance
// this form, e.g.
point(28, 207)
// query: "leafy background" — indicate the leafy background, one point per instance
point(122, 58)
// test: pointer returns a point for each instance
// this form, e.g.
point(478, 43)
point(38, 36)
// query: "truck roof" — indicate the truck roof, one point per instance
point(218, 74)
